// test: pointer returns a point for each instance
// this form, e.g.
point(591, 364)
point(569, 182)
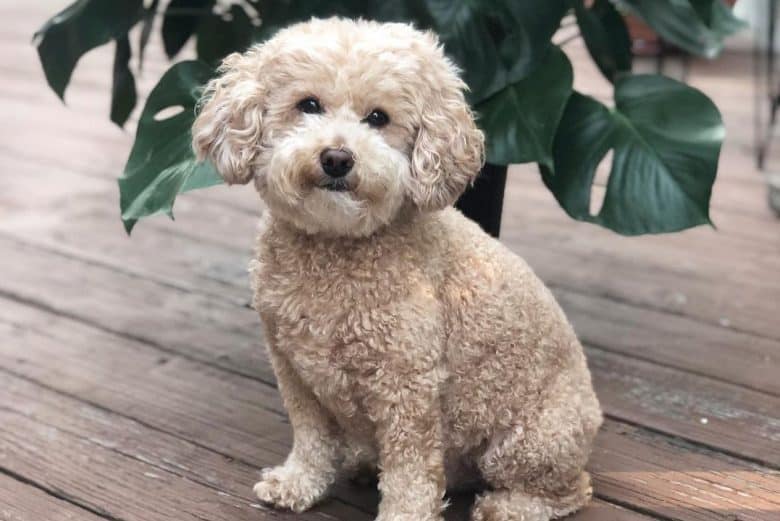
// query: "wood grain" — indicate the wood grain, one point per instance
point(20, 501)
point(114, 484)
point(88, 230)
point(224, 334)
point(186, 399)
point(113, 399)
point(152, 446)
point(126, 357)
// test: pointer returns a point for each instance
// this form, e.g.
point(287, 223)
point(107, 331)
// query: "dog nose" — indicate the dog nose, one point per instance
point(337, 162)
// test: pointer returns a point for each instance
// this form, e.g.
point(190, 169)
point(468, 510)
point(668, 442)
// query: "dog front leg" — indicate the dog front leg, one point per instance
point(311, 466)
point(409, 434)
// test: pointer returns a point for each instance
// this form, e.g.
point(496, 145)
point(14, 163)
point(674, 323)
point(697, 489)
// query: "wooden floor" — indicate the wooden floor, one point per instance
point(133, 380)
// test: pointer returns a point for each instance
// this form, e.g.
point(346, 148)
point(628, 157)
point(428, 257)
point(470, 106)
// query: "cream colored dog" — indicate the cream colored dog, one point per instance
point(402, 336)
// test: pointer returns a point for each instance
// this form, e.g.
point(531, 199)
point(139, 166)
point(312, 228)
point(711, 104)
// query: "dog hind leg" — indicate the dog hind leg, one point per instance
point(518, 505)
point(536, 471)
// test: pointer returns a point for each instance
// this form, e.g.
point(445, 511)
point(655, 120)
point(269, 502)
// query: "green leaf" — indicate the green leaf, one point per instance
point(606, 36)
point(218, 37)
point(398, 11)
point(698, 30)
point(520, 120)
point(665, 137)
point(180, 22)
point(496, 43)
point(79, 28)
point(146, 31)
point(281, 13)
point(123, 95)
point(718, 16)
point(161, 164)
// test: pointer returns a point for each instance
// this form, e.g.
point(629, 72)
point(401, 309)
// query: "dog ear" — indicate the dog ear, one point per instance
point(449, 149)
point(228, 128)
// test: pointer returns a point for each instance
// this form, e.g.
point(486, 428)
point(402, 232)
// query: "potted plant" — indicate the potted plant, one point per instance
point(665, 135)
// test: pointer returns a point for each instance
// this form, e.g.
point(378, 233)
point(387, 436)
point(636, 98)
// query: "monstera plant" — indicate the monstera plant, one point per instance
point(664, 136)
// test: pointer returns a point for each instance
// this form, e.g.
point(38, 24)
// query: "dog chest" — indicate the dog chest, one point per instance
point(343, 313)
point(331, 366)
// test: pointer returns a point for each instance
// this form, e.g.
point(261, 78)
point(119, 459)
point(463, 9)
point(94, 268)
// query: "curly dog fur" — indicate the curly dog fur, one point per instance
point(402, 336)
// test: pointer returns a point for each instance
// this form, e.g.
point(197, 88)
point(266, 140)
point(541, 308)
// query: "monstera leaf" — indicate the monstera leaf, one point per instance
point(718, 16)
point(520, 120)
point(79, 28)
point(698, 26)
point(181, 20)
point(147, 23)
point(606, 36)
point(218, 37)
point(161, 163)
point(665, 137)
point(519, 82)
point(496, 43)
point(123, 95)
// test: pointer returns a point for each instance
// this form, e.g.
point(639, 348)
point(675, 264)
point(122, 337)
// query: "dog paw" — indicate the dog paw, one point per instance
point(406, 516)
point(291, 488)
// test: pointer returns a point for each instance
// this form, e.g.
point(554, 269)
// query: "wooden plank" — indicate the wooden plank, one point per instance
point(671, 401)
point(667, 263)
point(674, 402)
point(212, 408)
point(634, 334)
point(229, 477)
point(100, 154)
point(80, 359)
point(225, 474)
point(88, 228)
point(117, 485)
point(121, 434)
point(665, 286)
point(205, 267)
point(730, 292)
point(601, 510)
point(679, 481)
point(674, 283)
point(651, 284)
point(225, 335)
point(680, 342)
point(195, 325)
point(24, 502)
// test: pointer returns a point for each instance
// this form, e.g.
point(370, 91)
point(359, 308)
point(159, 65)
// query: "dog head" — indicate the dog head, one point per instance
point(342, 124)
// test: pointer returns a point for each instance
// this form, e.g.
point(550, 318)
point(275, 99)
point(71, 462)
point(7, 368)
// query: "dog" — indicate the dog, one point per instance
point(403, 337)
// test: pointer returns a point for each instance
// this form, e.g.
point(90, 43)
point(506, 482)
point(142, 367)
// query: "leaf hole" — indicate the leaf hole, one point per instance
point(168, 112)
point(598, 189)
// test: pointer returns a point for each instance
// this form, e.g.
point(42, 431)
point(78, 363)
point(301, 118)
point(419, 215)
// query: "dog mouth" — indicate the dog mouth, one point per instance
point(335, 185)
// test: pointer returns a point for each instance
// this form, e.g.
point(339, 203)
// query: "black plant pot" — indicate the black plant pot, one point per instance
point(484, 201)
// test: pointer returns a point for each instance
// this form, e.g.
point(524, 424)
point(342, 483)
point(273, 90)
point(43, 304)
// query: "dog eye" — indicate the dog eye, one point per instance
point(377, 118)
point(310, 106)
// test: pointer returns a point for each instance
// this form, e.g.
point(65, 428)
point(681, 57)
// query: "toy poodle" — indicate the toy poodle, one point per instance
point(403, 337)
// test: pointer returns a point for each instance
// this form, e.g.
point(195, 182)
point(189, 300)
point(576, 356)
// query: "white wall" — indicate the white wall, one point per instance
point(755, 13)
